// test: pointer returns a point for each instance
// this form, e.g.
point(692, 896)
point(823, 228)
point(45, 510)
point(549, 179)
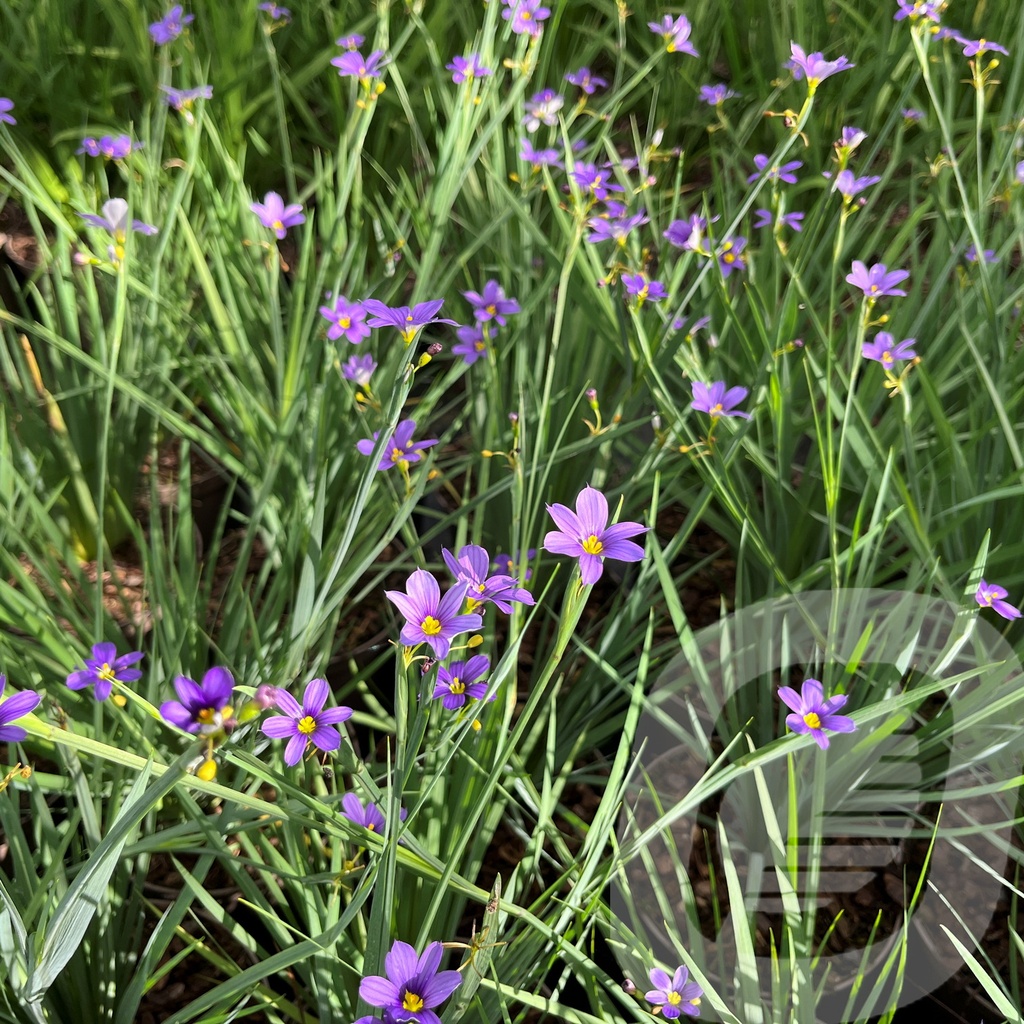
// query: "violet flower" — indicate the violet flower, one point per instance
point(18, 705)
point(352, 64)
point(275, 215)
point(674, 995)
point(604, 228)
point(104, 669)
point(369, 816)
point(989, 595)
point(848, 185)
point(310, 723)
point(6, 106)
point(539, 158)
point(182, 100)
point(471, 344)
point(201, 708)
point(594, 181)
point(473, 567)
point(491, 304)
point(459, 682)
point(346, 319)
point(114, 219)
point(776, 173)
point(405, 320)
point(885, 350)
point(715, 95)
point(643, 289)
point(465, 69)
point(543, 108)
point(275, 12)
point(350, 42)
point(979, 47)
point(716, 401)
point(912, 115)
point(814, 67)
point(730, 255)
point(111, 147)
point(877, 281)
point(359, 369)
point(586, 535)
point(676, 34)
point(586, 80)
point(170, 26)
point(508, 563)
point(430, 618)
point(413, 986)
point(789, 220)
point(688, 234)
point(849, 140)
point(987, 255)
point(914, 9)
point(400, 450)
point(813, 714)
point(525, 15)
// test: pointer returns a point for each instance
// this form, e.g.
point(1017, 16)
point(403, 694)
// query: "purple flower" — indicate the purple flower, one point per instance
point(405, 320)
point(978, 47)
point(457, 682)
point(204, 708)
point(507, 563)
point(275, 215)
point(491, 304)
point(585, 534)
point(353, 64)
point(586, 80)
point(676, 34)
point(783, 173)
point(912, 115)
point(876, 282)
point(789, 220)
point(847, 185)
point(170, 26)
point(914, 9)
point(715, 400)
point(370, 817)
point(539, 157)
point(989, 595)
point(346, 318)
point(1018, 173)
point(884, 349)
point(311, 723)
point(16, 706)
point(675, 995)
point(988, 255)
point(182, 99)
point(115, 220)
point(412, 987)
point(526, 16)
point(6, 106)
point(643, 289)
point(104, 669)
point(813, 66)
point(112, 147)
point(850, 139)
point(715, 95)
point(594, 180)
point(688, 234)
point(275, 12)
point(730, 255)
point(605, 228)
point(359, 369)
point(400, 449)
point(430, 618)
point(543, 107)
point(473, 567)
point(698, 325)
point(813, 714)
point(352, 42)
point(467, 68)
point(471, 344)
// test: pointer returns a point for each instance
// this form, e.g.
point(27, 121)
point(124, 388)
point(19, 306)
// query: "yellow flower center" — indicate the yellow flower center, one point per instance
point(412, 1002)
point(674, 998)
point(107, 673)
point(457, 686)
point(409, 334)
point(873, 288)
point(430, 626)
point(371, 827)
point(345, 322)
point(987, 598)
point(812, 721)
point(729, 258)
point(307, 725)
point(525, 15)
point(592, 546)
point(480, 346)
point(397, 454)
point(886, 357)
point(277, 225)
point(408, 319)
point(492, 309)
point(716, 410)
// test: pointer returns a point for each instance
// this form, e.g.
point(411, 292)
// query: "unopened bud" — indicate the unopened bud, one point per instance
point(207, 771)
point(513, 417)
point(423, 360)
point(628, 987)
point(435, 349)
point(475, 640)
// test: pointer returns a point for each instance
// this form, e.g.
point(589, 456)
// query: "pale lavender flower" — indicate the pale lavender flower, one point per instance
point(1018, 173)
point(359, 369)
point(346, 319)
point(877, 281)
point(813, 714)
point(698, 325)
point(170, 26)
point(539, 158)
point(884, 349)
point(849, 139)
point(543, 108)
point(979, 47)
point(182, 99)
point(309, 723)
point(717, 401)
point(111, 147)
point(595, 181)
point(716, 95)
point(525, 15)
point(6, 106)
point(730, 255)
point(912, 115)
point(914, 9)
point(605, 228)
point(789, 220)
point(400, 450)
point(471, 344)
point(467, 68)
point(848, 185)
point(114, 219)
point(676, 33)
point(491, 304)
point(813, 66)
point(988, 255)
point(275, 12)
point(352, 64)
point(273, 214)
point(989, 595)
point(350, 42)
point(643, 289)
point(430, 618)
point(586, 80)
point(783, 173)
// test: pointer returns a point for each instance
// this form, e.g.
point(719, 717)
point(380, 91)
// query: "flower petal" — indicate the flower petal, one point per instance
point(315, 697)
point(566, 520)
point(592, 510)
